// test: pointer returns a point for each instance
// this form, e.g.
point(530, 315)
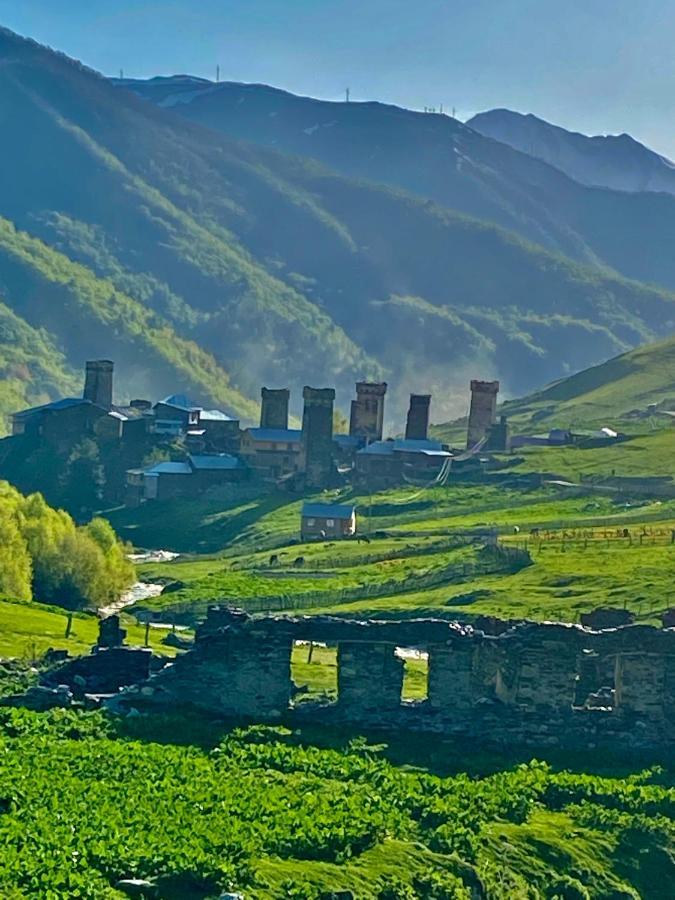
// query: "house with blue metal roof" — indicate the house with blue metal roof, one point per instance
point(327, 520)
point(180, 478)
point(386, 462)
point(274, 452)
point(62, 422)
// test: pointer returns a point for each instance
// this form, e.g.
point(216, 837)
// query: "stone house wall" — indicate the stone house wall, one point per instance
point(523, 683)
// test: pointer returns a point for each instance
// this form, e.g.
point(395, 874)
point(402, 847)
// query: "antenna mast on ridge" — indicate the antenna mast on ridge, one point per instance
point(346, 95)
point(217, 74)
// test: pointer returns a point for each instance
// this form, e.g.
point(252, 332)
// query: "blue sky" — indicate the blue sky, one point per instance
point(597, 66)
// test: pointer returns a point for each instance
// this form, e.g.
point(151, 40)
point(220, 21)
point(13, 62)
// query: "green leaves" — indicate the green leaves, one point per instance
point(44, 554)
point(81, 809)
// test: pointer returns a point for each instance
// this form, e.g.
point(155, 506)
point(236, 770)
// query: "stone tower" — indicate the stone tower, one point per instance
point(367, 412)
point(274, 408)
point(317, 435)
point(483, 412)
point(417, 424)
point(98, 382)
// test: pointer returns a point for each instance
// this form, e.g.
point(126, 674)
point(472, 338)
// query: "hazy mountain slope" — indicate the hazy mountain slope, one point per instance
point(627, 382)
point(47, 287)
point(32, 369)
point(436, 156)
point(612, 161)
point(204, 263)
point(113, 186)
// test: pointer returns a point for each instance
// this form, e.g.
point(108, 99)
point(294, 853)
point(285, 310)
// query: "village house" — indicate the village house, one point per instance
point(327, 520)
point(273, 452)
point(175, 415)
point(183, 478)
point(387, 462)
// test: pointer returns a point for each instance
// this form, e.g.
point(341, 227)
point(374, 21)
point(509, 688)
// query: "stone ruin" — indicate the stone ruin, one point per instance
point(543, 684)
point(109, 668)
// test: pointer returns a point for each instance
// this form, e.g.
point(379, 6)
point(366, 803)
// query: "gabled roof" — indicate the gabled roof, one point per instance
point(169, 468)
point(280, 435)
point(405, 445)
point(179, 401)
point(214, 461)
point(378, 448)
point(215, 415)
point(408, 445)
point(63, 403)
point(327, 511)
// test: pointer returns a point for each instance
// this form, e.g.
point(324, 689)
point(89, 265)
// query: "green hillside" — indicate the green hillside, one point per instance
point(212, 266)
point(452, 164)
point(609, 391)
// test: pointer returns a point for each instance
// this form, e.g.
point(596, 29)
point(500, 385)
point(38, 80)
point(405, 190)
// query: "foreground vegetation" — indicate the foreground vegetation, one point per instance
point(282, 814)
point(43, 554)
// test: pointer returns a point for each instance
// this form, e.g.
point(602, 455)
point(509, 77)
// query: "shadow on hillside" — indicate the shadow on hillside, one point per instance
point(193, 526)
point(436, 755)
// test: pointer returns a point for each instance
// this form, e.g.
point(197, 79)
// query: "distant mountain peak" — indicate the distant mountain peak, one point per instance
point(616, 161)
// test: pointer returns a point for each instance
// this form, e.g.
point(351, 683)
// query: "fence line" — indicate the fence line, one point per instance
point(497, 559)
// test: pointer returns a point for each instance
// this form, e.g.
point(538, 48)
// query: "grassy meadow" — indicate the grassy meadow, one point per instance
point(580, 558)
point(28, 629)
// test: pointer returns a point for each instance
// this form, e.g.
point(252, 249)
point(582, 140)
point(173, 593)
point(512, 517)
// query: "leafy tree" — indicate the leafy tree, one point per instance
point(15, 561)
point(43, 554)
point(84, 478)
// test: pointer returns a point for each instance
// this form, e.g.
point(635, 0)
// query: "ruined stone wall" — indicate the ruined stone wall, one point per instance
point(524, 683)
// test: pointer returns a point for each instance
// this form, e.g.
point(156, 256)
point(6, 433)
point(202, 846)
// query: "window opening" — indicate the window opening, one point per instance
point(415, 688)
point(314, 673)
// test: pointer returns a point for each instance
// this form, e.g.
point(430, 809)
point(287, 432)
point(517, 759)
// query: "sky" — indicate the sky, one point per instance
point(595, 66)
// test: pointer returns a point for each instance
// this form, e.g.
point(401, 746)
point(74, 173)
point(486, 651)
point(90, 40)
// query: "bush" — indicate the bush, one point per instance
point(43, 554)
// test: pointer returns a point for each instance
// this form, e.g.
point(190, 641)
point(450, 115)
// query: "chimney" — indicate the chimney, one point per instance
point(417, 425)
point(274, 408)
point(98, 383)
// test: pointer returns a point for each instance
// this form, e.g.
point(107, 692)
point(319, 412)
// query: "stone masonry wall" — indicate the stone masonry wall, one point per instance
point(523, 683)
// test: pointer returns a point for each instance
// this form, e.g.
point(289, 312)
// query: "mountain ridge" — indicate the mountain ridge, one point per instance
point(270, 268)
point(444, 160)
point(618, 162)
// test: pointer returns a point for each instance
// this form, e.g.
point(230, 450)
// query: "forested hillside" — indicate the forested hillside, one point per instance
point(210, 266)
point(455, 165)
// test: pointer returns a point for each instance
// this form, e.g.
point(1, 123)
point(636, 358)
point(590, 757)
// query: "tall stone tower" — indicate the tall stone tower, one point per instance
point(367, 411)
point(483, 411)
point(317, 435)
point(98, 382)
point(417, 424)
point(274, 408)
